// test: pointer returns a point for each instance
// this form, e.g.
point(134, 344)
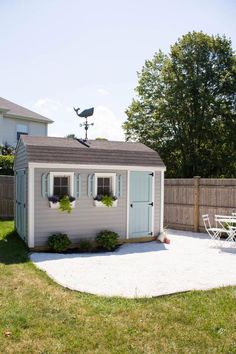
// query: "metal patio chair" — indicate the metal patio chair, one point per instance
point(213, 232)
point(232, 234)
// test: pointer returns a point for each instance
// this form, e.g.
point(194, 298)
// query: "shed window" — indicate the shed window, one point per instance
point(105, 183)
point(61, 186)
point(104, 186)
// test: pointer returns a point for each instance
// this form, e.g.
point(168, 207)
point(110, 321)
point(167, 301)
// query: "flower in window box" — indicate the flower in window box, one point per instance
point(53, 199)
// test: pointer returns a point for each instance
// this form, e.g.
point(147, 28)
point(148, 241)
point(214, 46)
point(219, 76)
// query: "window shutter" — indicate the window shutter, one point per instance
point(118, 186)
point(91, 185)
point(45, 183)
point(77, 186)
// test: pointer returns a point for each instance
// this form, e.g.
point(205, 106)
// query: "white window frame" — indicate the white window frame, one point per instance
point(105, 175)
point(62, 174)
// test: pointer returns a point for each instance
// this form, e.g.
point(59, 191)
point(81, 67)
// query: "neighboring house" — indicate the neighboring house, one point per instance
point(51, 166)
point(16, 120)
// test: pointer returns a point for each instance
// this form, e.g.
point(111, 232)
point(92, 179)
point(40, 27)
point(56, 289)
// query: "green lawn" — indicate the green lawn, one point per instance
point(42, 317)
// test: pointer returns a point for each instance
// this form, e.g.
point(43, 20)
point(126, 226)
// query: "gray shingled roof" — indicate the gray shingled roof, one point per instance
point(64, 150)
point(13, 109)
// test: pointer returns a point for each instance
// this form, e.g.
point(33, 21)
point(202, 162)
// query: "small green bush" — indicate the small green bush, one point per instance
point(59, 242)
point(108, 240)
point(85, 245)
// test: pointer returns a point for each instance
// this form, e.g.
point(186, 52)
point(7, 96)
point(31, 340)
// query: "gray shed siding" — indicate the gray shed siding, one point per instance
point(86, 220)
point(21, 160)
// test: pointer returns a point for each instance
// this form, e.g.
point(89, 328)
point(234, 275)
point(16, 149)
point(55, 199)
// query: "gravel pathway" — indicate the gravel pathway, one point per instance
point(189, 262)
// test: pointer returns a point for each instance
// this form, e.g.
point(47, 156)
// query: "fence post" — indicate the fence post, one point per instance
point(196, 203)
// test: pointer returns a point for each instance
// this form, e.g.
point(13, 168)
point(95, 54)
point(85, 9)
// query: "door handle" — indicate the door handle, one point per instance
point(151, 204)
point(131, 205)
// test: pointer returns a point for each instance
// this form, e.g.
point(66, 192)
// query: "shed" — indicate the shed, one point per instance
point(129, 173)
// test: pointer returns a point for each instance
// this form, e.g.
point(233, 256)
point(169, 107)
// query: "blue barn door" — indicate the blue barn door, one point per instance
point(21, 203)
point(141, 204)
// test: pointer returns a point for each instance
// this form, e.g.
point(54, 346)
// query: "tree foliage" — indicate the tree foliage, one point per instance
point(6, 165)
point(186, 107)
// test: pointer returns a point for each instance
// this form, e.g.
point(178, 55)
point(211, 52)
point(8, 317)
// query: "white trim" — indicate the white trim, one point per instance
point(95, 167)
point(128, 194)
point(109, 175)
point(153, 201)
point(62, 174)
point(31, 206)
point(162, 203)
point(31, 119)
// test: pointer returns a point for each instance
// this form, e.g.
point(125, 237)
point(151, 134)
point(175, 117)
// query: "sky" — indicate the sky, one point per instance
point(60, 54)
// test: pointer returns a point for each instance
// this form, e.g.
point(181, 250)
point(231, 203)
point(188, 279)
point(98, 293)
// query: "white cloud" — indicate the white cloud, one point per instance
point(46, 106)
point(106, 123)
point(103, 92)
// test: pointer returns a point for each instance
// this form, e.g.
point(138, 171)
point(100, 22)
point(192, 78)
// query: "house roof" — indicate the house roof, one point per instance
point(11, 109)
point(95, 152)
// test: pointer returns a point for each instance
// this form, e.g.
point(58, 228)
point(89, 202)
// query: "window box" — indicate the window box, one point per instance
point(57, 205)
point(99, 204)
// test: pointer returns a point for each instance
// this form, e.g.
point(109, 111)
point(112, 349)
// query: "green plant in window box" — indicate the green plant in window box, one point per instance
point(107, 200)
point(65, 203)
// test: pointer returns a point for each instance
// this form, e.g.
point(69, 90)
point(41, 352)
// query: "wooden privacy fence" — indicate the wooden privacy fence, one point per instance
point(6, 197)
point(187, 199)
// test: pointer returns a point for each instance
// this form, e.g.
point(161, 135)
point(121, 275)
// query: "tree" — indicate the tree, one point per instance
point(186, 107)
point(71, 136)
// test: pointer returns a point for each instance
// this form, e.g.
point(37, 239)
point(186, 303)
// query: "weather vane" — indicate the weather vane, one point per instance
point(85, 114)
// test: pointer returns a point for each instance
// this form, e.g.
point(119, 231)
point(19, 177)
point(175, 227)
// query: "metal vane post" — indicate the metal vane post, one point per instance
point(85, 114)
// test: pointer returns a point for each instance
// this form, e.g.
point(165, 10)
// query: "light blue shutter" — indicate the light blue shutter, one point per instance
point(118, 186)
point(77, 186)
point(91, 186)
point(45, 185)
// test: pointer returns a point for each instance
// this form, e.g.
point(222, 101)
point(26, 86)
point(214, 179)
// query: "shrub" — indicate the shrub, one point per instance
point(59, 242)
point(6, 164)
point(108, 240)
point(85, 245)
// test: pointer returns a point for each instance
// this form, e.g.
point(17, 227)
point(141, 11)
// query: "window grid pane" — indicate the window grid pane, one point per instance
point(104, 185)
point(61, 186)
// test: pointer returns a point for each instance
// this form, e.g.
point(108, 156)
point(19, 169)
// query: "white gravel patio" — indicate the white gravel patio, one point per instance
point(189, 262)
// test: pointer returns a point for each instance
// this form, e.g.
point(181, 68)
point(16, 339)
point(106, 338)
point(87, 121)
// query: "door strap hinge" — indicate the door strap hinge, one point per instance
point(151, 204)
point(151, 174)
point(150, 233)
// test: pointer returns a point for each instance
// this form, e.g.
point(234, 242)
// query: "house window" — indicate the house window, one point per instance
point(61, 186)
point(105, 183)
point(61, 183)
point(21, 129)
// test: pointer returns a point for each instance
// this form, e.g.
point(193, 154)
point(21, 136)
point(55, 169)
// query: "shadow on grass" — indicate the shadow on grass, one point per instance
point(12, 249)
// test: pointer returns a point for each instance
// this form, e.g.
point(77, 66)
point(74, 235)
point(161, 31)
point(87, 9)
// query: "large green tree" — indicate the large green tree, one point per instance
point(186, 107)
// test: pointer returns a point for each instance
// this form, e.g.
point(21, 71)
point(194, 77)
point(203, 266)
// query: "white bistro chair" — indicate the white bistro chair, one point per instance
point(213, 232)
point(232, 234)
